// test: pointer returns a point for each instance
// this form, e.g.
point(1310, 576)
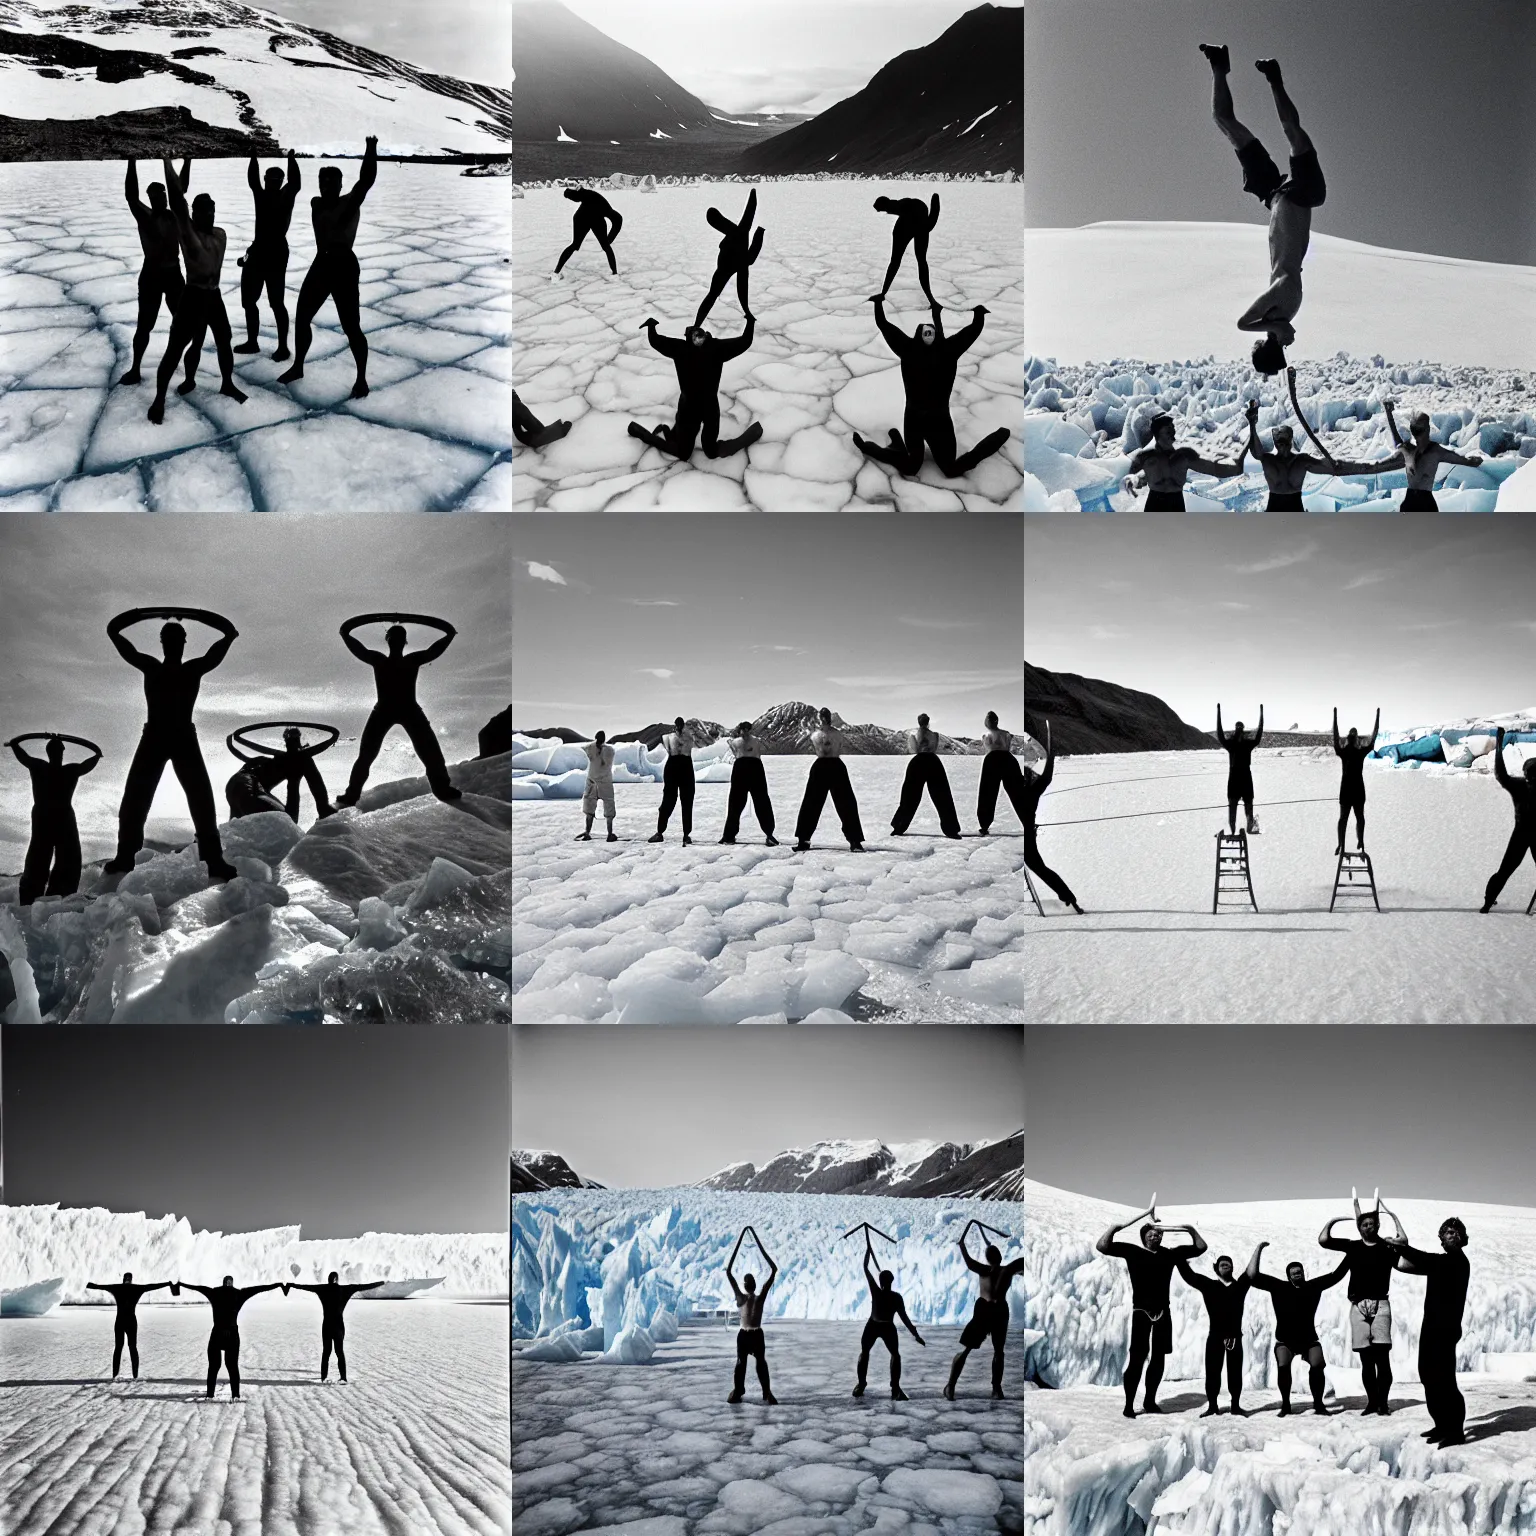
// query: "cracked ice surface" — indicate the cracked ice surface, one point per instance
point(658, 1452)
point(914, 929)
point(817, 371)
point(416, 1441)
point(434, 434)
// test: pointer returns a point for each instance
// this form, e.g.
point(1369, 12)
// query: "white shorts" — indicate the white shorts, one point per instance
point(1375, 1328)
point(590, 796)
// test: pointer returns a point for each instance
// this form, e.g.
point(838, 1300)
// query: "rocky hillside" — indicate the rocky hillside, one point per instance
point(1088, 714)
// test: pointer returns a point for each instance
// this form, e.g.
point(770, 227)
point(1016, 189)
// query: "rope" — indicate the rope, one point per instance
point(1188, 810)
point(1145, 779)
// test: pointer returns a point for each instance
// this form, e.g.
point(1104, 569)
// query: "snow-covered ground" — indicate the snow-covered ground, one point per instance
point(818, 369)
point(659, 1452)
point(417, 1441)
point(1133, 835)
point(434, 434)
point(914, 929)
point(395, 911)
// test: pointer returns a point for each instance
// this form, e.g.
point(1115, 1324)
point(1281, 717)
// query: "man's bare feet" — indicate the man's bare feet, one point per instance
point(133, 376)
point(186, 386)
point(1270, 69)
point(1216, 53)
point(249, 346)
point(360, 389)
point(229, 388)
point(296, 372)
point(281, 355)
point(156, 412)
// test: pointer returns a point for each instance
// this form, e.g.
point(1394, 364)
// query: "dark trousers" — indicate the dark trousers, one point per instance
point(157, 747)
point(333, 1336)
point(125, 1331)
point(748, 778)
point(415, 724)
point(926, 771)
point(749, 1341)
point(876, 1332)
point(1033, 861)
point(999, 770)
point(201, 310)
point(265, 267)
point(1376, 1374)
point(1215, 1350)
point(224, 1342)
point(828, 776)
point(55, 847)
point(677, 784)
point(1520, 844)
point(1437, 1372)
point(1313, 1353)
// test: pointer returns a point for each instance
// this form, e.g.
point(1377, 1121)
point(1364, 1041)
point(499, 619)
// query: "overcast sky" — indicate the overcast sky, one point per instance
point(286, 583)
point(1213, 1113)
point(342, 1131)
point(619, 622)
point(468, 39)
point(744, 1095)
point(1420, 112)
point(1427, 619)
point(770, 55)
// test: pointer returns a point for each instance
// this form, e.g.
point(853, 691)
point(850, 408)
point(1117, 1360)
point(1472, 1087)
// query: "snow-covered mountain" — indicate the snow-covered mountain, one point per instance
point(533, 1170)
point(982, 1170)
point(191, 71)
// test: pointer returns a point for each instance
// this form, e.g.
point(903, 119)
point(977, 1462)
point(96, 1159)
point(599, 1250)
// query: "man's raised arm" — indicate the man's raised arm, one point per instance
point(1386, 408)
point(1218, 467)
point(176, 191)
point(253, 175)
point(1197, 1243)
point(91, 1285)
point(668, 346)
point(370, 171)
point(730, 1273)
point(1500, 772)
point(1360, 467)
point(1252, 1271)
point(131, 190)
point(184, 175)
point(899, 343)
point(1258, 735)
point(1326, 1239)
point(438, 646)
point(356, 646)
point(966, 335)
point(1049, 772)
point(933, 210)
point(1255, 447)
point(372, 1285)
point(1338, 746)
point(1106, 1241)
point(125, 647)
point(256, 1290)
point(216, 652)
point(295, 181)
point(739, 344)
point(1220, 734)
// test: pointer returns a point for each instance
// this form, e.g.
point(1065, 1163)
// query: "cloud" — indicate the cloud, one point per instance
point(938, 623)
point(1234, 606)
point(661, 672)
point(651, 602)
point(1297, 556)
point(545, 573)
point(1106, 632)
point(1364, 579)
point(788, 650)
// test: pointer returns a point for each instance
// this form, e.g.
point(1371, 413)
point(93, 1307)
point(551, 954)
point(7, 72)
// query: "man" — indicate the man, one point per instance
point(249, 791)
point(1035, 785)
point(929, 360)
point(1240, 749)
point(1286, 471)
point(989, 1317)
point(1165, 467)
point(914, 220)
point(171, 684)
point(1445, 1298)
point(530, 431)
point(1352, 754)
point(1523, 839)
point(599, 785)
point(265, 263)
point(828, 776)
point(1290, 200)
point(999, 771)
point(749, 1337)
point(1151, 1267)
point(125, 1328)
point(676, 781)
point(885, 1306)
point(699, 359)
point(394, 676)
point(160, 276)
point(226, 1301)
point(591, 218)
point(1295, 1301)
point(748, 778)
point(1224, 1298)
point(333, 1328)
point(333, 274)
point(202, 304)
point(52, 866)
point(1422, 458)
point(735, 258)
point(1370, 1260)
point(925, 770)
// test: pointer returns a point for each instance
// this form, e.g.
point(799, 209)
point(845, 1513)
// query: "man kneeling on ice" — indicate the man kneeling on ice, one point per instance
point(749, 1337)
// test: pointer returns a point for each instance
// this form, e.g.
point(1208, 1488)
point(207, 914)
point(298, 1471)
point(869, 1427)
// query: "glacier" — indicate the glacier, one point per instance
point(73, 1245)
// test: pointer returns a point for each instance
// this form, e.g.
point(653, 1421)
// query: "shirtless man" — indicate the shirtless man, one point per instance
point(749, 1337)
point(1286, 471)
point(828, 776)
point(676, 781)
point(599, 785)
point(1421, 459)
point(333, 274)
point(202, 304)
point(125, 1329)
point(885, 1306)
point(1290, 200)
point(989, 1318)
point(160, 276)
point(1000, 770)
point(914, 222)
point(1295, 1300)
point(748, 778)
point(265, 264)
point(1166, 466)
point(1352, 754)
point(1371, 1259)
point(925, 770)
point(250, 791)
point(1151, 1266)
point(1240, 748)
point(226, 1301)
point(333, 1300)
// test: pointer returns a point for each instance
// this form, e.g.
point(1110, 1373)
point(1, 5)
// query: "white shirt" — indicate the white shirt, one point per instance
point(599, 762)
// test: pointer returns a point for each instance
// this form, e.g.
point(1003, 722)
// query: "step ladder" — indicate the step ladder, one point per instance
point(1354, 877)
point(1034, 895)
point(1232, 874)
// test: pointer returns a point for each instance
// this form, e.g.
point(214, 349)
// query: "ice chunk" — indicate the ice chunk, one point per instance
point(31, 1300)
point(632, 1346)
point(377, 925)
point(945, 1492)
point(561, 1347)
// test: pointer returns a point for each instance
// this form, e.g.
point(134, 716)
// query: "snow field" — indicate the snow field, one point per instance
point(914, 928)
point(662, 1454)
point(416, 1441)
point(434, 433)
point(818, 369)
point(1150, 950)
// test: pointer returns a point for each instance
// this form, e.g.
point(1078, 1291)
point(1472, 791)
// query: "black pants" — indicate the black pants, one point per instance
point(1215, 1351)
point(53, 855)
point(180, 749)
point(125, 1331)
point(1520, 844)
point(201, 310)
point(875, 1332)
point(224, 1342)
point(698, 417)
point(247, 796)
point(748, 778)
point(934, 427)
point(155, 283)
point(1376, 1374)
point(1033, 862)
point(528, 429)
point(677, 784)
point(266, 266)
point(1284, 1354)
point(1419, 501)
point(1239, 789)
point(828, 776)
point(584, 224)
point(414, 722)
point(749, 1341)
point(332, 275)
point(999, 770)
point(1352, 800)
point(1437, 1372)
point(926, 771)
point(1151, 1341)
point(333, 1336)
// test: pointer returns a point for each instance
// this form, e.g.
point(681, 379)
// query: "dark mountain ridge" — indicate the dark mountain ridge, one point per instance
point(1088, 714)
